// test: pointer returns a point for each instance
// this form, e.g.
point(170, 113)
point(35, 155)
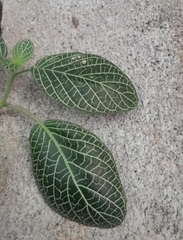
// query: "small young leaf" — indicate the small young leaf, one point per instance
point(85, 82)
point(22, 52)
point(8, 64)
point(76, 174)
point(3, 49)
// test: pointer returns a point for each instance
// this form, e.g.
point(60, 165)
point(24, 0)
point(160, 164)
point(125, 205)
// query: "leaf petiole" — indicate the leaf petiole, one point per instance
point(23, 71)
point(24, 112)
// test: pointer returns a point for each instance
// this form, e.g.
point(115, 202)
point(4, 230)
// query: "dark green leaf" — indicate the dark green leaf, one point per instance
point(85, 82)
point(76, 174)
point(3, 48)
point(22, 52)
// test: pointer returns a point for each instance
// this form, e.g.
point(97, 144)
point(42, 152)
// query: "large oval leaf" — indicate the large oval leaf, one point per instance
point(76, 174)
point(85, 82)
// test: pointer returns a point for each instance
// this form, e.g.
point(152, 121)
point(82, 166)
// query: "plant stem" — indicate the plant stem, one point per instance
point(23, 71)
point(10, 83)
point(7, 91)
point(24, 112)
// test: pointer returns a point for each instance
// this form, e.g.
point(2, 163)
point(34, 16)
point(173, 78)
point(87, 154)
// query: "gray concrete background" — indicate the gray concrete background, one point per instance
point(145, 39)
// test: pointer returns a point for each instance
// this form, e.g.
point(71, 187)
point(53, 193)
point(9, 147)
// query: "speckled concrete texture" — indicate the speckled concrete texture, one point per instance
point(145, 39)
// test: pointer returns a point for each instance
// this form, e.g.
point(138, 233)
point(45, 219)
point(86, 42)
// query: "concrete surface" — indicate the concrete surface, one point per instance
point(145, 39)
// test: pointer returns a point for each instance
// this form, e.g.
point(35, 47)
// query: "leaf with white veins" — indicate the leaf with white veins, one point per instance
point(76, 174)
point(22, 52)
point(3, 48)
point(85, 82)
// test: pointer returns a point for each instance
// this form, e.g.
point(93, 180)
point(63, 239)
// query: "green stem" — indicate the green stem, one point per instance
point(24, 112)
point(10, 83)
point(7, 91)
point(23, 71)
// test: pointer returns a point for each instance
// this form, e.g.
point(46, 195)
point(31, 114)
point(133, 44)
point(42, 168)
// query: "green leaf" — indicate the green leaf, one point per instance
point(8, 64)
point(3, 48)
point(22, 52)
point(85, 82)
point(76, 174)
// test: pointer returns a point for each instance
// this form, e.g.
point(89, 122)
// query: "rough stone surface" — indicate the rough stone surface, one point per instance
point(145, 39)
